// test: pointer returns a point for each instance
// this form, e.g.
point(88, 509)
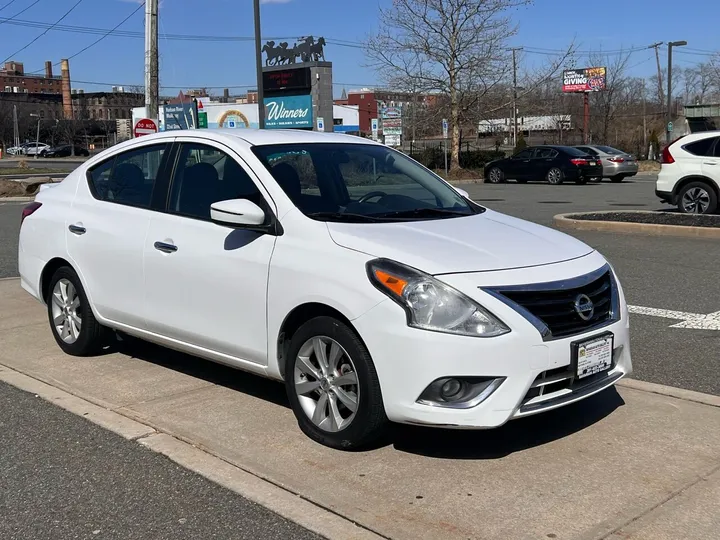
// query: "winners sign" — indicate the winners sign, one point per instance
point(584, 80)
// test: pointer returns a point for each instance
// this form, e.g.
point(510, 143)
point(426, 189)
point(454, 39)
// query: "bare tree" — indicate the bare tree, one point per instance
point(455, 47)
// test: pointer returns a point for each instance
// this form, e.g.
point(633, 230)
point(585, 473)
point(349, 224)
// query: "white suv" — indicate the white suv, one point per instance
point(690, 174)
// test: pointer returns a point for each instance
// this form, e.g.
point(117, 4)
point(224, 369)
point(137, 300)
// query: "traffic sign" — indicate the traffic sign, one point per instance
point(445, 128)
point(670, 126)
point(320, 123)
point(145, 126)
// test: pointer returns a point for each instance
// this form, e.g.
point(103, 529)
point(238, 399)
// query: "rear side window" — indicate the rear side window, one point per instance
point(610, 150)
point(546, 153)
point(574, 152)
point(525, 154)
point(128, 178)
point(702, 147)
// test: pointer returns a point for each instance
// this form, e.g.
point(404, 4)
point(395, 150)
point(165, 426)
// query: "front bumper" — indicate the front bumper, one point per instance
point(407, 360)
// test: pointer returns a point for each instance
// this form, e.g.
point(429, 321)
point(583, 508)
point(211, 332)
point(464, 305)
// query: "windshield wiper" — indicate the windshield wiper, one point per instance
point(423, 212)
point(345, 216)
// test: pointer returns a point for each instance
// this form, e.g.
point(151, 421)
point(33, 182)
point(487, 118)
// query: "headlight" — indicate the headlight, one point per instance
point(430, 304)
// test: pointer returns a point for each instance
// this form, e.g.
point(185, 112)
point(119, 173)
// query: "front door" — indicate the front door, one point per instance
point(106, 228)
point(518, 166)
point(544, 160)
point(206, 284)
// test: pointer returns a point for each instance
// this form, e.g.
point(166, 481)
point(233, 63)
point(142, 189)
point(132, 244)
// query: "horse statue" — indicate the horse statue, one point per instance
point(304, 48)
point(273, 53)
point(317, 51)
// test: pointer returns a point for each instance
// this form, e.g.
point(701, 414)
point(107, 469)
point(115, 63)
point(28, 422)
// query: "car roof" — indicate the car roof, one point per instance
point(258, 137)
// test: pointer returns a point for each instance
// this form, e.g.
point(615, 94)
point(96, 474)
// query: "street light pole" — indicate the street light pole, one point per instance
point(258, 65)
point(668, 117)
point(37, 137)
point(514, 111)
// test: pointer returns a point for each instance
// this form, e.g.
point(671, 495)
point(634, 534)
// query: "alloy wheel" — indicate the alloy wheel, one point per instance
point(66, 311)
point(696, 201)
point(495, 176)
point(554, 176)
point(326, 383)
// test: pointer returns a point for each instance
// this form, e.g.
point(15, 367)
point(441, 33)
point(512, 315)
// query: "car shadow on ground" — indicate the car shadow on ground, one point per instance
point(514, 436)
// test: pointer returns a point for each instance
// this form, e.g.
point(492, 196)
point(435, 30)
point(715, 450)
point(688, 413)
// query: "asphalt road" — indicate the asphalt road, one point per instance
point(678, 274)
point(65, 478)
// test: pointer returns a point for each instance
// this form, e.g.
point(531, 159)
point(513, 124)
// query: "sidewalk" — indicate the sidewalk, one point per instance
point(624, 464)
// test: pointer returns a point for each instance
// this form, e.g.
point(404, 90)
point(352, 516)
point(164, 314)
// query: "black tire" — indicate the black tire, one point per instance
point(91, 334)
point(555, 176)
point(617, 178)
point(704, 195)
point(495, 176)
point(581, 181)
point(370, 421)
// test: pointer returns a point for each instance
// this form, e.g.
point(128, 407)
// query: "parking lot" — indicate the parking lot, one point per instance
point(541, 477)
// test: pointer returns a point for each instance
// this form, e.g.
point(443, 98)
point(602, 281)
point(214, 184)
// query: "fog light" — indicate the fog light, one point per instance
point(451, 389)
point(459, 392)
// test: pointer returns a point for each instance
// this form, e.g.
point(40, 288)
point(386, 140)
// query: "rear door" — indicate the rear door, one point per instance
point(107, 225)
point(544, 160)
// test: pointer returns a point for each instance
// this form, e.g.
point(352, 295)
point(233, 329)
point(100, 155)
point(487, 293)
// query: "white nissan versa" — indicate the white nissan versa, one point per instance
point(374, 289)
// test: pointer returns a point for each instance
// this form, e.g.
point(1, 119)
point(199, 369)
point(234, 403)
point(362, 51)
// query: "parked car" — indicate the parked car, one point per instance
point(31, 149)
point(373, 288)
point(16, 150)
point(556, 164)
point(617, 165)
point(689, 175)
point(64, 150)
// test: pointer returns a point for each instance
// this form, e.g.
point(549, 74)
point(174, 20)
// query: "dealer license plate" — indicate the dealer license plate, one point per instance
point(591, 163)
point(593, 356)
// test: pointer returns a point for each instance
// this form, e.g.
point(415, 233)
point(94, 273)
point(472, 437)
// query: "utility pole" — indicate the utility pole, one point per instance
point(16, 130)
point(151, 59)
point(258, 65)
point(656, 46)
point(514, 101)
point(668, 116)
point(645, 142)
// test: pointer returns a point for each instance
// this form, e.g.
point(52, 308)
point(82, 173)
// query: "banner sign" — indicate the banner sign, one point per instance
point(179, 116)
point(584, 80)
point(288, 112)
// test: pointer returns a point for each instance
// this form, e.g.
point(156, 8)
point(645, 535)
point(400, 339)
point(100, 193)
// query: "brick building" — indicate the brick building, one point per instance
point(105, 105)
point(369, 100)
point(13, 79)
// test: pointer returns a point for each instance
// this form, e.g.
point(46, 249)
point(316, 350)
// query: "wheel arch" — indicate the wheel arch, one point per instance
point(684, 181)
point(299, 316)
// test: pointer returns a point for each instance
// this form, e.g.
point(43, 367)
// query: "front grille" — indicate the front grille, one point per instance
point(553, 304)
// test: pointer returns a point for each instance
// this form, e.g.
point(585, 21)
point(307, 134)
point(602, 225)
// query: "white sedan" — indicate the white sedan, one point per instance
point(374, 289)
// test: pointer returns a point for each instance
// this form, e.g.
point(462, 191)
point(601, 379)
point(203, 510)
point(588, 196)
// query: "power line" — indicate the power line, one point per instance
point(8, 4)
point(9, 19)
point(101, 37)
point(46, 31)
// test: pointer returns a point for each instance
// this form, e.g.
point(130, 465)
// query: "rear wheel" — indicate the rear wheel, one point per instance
point(555, 176)
point(581, 180)
point(496, 176)
point(332, 385)
point(617, 178)
point(697, 198)
point(73, 324)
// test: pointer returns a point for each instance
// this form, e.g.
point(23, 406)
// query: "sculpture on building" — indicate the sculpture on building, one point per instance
point(306, 50)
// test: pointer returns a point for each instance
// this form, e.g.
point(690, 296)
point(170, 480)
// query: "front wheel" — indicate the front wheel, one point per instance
point(496, 176)
point(332, 385)
point(697, 198)
point(555, 176)
point(73, 324)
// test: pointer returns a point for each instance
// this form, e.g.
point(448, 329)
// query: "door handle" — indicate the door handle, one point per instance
point(710, 162)
point(77, 229)
point(165, 248)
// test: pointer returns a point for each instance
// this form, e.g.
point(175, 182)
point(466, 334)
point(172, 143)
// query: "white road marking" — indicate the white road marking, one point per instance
point(695, 321)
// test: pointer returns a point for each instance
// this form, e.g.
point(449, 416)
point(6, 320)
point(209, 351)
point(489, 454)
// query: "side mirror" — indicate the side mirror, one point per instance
point(237, 212)
point(462, 192)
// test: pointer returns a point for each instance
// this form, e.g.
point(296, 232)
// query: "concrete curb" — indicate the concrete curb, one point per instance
point(566, 221)
point(281, 501)
point(671, 391)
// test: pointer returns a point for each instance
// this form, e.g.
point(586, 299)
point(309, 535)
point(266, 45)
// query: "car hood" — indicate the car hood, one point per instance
point(483, 242)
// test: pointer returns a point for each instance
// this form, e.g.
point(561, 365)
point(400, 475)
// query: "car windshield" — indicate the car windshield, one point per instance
point(609, 150)
point(362, 183)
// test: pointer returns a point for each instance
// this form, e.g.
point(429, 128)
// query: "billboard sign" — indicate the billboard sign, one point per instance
point(179, 116)
point(584, 80)
point(390, 113)
point(288, 112)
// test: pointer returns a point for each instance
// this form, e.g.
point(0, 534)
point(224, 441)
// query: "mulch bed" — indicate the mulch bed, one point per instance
point(25, 188)
point(654, 218)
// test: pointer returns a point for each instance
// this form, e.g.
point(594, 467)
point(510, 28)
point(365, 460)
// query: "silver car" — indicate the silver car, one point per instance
point(617, 165)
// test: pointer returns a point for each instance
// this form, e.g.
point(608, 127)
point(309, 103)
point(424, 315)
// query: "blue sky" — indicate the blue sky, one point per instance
point(546, 24)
